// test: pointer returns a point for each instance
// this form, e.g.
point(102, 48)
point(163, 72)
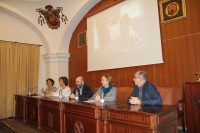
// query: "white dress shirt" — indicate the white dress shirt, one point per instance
point(65, 92)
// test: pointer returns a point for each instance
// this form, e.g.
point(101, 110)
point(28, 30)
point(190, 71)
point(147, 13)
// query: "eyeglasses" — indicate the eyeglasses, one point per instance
point(136, 77)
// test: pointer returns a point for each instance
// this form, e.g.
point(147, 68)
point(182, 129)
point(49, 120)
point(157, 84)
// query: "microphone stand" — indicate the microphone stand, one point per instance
point(29, 91)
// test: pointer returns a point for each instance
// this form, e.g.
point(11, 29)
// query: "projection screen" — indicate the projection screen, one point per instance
point(125, 35)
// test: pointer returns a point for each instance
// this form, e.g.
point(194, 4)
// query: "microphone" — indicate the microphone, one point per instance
point(29, 91)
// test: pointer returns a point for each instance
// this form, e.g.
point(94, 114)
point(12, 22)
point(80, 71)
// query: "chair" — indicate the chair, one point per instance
point(173, 95)
point(180, 113)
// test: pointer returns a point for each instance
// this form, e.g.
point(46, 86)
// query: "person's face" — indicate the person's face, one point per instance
point(79, 82)
point(104, 82)
point(137, 79)
point(61, 83)
point(49, 83)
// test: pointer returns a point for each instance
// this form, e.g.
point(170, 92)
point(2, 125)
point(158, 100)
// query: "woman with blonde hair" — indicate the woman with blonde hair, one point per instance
point(107, 87)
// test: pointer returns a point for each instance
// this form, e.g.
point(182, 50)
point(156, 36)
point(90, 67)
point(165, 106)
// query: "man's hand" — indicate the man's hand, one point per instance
point(135, 107)
point(135, 100)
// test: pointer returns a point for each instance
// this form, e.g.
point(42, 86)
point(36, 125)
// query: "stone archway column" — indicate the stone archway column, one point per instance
point(56, 65)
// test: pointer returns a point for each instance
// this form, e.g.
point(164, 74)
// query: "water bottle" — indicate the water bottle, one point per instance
point(60, 94)
point(42, 92)
point(76, 94)
point(102, 97)
point(29, 92)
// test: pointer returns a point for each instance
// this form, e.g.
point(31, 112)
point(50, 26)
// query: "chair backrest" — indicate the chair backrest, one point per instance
point(72, 89)
point(170, 94)
point(123, 93)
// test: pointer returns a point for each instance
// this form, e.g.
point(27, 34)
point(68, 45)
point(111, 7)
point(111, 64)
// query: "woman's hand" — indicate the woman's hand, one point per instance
point(48, 95)
point(97, 98)
point(72, 96)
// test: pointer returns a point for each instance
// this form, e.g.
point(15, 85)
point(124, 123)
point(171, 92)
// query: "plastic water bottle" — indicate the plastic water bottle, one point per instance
point(102, 97)
point(29, 92)
point(76, 94)
point(60, 94)
point(42, 92)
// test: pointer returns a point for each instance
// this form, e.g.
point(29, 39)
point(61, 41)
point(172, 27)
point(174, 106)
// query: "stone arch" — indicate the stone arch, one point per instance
point(76, 18)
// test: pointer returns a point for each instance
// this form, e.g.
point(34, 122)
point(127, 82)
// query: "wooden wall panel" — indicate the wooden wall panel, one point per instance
point(180, 61)
point(184, 27)
point(180, 46)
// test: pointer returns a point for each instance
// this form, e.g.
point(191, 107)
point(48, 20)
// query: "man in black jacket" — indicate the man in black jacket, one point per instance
point(84, 90)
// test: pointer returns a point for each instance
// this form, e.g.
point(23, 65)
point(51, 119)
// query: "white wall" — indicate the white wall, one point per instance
point(19, 22)
point(14, 30)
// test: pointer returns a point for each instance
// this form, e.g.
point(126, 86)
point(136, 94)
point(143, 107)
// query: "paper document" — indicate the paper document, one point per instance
point(90, 101)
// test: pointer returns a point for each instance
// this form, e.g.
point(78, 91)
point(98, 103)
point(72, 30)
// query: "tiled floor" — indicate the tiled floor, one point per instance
point(18, 127)
point(180, 130)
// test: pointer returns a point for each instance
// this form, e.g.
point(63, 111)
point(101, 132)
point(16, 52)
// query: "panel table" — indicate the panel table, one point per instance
point(64, 116)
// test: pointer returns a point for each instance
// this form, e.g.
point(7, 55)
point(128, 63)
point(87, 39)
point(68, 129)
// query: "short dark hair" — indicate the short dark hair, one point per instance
point(143, 75)
point(65, 80)
point(51, 80)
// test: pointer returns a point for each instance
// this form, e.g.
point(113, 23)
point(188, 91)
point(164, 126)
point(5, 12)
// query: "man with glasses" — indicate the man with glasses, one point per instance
point(84, 90)
point(144, 93)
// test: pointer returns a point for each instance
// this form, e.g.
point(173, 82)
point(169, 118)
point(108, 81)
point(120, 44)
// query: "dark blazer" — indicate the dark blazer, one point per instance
point(86, 92)
point(150, 95)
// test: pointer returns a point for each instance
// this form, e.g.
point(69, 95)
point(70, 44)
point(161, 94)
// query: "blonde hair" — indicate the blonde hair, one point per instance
point(109, 79)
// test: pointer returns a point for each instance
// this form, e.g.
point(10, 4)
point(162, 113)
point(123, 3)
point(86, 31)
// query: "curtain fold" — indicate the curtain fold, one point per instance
point(19, 68)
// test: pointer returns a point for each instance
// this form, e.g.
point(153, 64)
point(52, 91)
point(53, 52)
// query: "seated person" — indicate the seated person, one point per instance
point(108, 88)
point(66, 91)
point(144, 92)
point(50, 82)
point(84, 91)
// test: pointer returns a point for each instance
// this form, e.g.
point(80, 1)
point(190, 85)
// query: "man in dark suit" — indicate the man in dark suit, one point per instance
point(84, 90)
point(144, 93)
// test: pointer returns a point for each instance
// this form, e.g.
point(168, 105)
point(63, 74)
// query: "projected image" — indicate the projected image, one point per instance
point(119, 30)
point(124, 35)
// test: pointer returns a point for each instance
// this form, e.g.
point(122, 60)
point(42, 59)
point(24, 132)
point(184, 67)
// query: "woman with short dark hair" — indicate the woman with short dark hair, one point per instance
point(50, 82)
point(66, 91)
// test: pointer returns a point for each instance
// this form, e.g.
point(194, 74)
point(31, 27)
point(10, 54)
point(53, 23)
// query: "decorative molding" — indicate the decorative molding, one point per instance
point(39, 102)
point(32, 113)
point(78, 127)
point(172, 10)
point(97, 113)
point(21, 110)
point(59, 57)
point(196, 103)
point(51, 16)
point(61, 106)
point(104, 114)
point(50, 119)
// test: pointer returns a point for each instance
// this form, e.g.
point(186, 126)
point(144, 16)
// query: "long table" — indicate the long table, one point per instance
point(70, 116)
